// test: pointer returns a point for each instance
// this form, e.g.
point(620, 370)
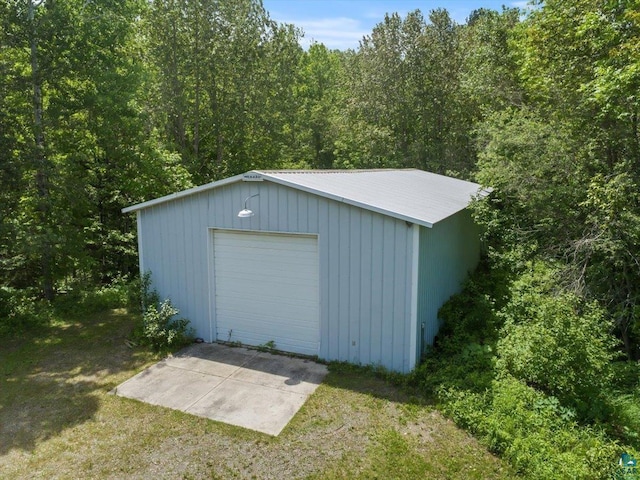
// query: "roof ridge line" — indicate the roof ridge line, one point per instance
point(333, 170)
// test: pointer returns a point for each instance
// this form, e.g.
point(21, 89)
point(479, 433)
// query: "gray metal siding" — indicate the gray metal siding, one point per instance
point(448, 252)
point(174, 246)
point(365, 263)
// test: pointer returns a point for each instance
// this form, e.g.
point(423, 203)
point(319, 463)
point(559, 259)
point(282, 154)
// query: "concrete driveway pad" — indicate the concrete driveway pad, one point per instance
point(242, 387)
point(277, 371)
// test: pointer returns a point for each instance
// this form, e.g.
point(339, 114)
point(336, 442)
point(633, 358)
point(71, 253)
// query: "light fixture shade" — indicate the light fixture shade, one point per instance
point(245, 213)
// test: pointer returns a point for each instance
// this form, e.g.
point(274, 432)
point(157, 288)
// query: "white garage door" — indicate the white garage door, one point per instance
point(266, 289)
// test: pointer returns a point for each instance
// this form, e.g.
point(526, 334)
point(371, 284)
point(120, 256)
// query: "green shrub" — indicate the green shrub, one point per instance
point(80, 300)
point(471, 368)
point(158, 329)
point(625, 403)
point(527, 368)
point(465, 351)
point(470, 316)
point(161, 331)
point(557, 343)
point(625, 417)
point(140, 294)
point(24, 309)
point(534, 432)
point(21, 310)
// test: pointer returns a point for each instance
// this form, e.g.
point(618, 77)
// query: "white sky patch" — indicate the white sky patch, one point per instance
point(378, 14)
point(335, 33)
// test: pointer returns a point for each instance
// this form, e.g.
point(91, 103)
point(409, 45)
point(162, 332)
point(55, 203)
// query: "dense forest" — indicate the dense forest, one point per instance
point(106, 103)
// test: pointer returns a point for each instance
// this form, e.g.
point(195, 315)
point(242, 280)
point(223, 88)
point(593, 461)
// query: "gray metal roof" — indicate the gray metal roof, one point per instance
point(413, 195)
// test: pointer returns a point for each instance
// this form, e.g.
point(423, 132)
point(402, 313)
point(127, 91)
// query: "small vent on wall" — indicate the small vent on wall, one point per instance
point(251, 177)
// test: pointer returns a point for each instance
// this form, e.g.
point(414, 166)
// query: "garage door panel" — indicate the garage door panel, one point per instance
point(297, 262)
point(270, 252)
point(297, 317)
point(273, 330)
point(280, 271)
point(260, 283)
point(292, 269)
point(270, 246)
point(268, 240)
point(266, 289)
point(267, 308)
point(269, 292)
point(296, 313)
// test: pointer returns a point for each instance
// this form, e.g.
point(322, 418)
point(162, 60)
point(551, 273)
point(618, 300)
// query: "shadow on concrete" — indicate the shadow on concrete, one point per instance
point(275, 363)
point(235, 385)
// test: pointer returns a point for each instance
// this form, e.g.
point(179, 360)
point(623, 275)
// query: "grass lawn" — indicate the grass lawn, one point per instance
point(57, 420)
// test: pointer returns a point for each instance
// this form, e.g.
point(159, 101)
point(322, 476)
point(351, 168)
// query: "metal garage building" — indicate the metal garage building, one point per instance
point(348, 265)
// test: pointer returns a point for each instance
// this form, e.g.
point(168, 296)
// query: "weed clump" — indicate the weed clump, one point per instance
point(160, 329)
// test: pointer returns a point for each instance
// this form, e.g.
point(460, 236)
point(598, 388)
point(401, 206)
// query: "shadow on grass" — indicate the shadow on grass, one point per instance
point(50, 381)
point(375, 383)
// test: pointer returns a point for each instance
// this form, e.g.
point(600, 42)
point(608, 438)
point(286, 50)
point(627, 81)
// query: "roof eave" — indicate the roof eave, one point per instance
point(182, 194)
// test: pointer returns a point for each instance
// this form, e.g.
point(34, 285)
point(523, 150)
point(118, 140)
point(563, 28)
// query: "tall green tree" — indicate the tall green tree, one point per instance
point(77, 142)
point(445, 120)
point(15, 100)
point(404, 105)
point(489, 79)
point(318, 97)
point(580, 71)
point(26, 64)
point(381, 118)
point(225, 73)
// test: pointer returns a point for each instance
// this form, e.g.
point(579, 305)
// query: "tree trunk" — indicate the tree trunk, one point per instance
point(41, 164)
point(196, 119)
